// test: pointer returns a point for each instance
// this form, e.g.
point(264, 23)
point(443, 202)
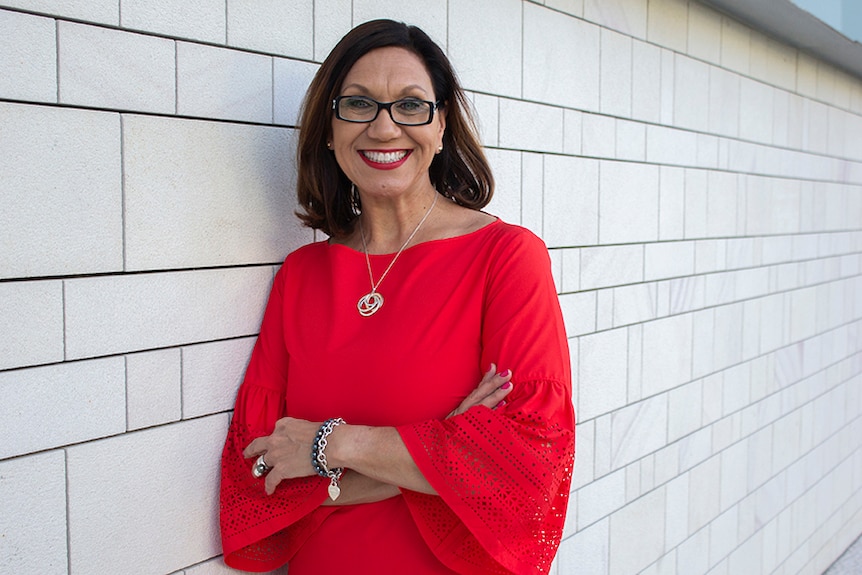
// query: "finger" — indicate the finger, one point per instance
point(255, 448)
point(273, 478)
point(491, 382)
point(493, 399)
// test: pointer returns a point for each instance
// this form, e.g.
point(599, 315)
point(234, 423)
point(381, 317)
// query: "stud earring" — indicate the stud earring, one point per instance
point(440, 149)
point(328, 145)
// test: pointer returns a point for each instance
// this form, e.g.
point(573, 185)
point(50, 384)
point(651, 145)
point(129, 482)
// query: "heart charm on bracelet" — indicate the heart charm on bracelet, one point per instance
point(334, 490)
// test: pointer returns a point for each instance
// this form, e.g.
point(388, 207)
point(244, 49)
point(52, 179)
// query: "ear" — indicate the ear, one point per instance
point(441, 120)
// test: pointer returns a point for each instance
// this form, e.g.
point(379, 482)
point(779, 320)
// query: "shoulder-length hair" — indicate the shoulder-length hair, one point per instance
point(460, 172)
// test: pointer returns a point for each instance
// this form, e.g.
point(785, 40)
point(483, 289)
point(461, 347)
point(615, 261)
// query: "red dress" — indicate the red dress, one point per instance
point(451, 308)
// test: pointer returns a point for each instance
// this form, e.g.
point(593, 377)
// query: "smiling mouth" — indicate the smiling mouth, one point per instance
point(384, 157)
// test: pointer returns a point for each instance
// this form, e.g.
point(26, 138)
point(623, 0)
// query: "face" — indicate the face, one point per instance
point(383, 158)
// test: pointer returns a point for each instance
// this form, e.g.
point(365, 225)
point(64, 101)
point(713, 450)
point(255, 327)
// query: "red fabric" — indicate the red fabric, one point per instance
point(451, 308)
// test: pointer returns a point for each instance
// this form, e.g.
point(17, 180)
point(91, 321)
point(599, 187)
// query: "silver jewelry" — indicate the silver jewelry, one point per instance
point(260, 468)
point(318, 457)
point(373, 301)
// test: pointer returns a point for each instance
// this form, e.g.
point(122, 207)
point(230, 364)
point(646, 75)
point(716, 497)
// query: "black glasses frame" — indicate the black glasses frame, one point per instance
point(385, 106)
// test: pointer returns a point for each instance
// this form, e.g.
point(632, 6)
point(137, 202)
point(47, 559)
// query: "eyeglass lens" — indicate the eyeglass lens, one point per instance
point(407, 111)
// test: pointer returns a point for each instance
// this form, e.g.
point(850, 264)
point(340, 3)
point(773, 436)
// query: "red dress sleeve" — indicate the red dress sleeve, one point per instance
point(260, 532)
point(503, 475)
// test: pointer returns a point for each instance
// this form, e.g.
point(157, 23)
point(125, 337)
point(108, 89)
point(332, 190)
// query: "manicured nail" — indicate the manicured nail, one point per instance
point(505, 373)
point(501, 404)
point(506, 385)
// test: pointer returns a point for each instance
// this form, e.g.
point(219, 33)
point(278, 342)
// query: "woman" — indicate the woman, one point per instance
point(360, 440)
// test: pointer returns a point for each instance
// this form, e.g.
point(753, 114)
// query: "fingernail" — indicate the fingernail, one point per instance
point(501, 404)
point(505, 373)
point(506, 385)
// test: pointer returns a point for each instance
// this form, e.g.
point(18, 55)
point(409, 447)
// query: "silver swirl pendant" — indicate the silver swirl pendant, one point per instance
point(369, 304)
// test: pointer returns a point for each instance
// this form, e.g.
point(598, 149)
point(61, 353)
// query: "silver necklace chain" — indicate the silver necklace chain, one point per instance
point(373, 301)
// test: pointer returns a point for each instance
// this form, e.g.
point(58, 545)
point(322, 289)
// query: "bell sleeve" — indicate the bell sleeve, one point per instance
point(502, 476)
point(259, 532)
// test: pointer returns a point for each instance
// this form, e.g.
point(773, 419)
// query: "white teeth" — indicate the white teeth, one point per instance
point(385, 157)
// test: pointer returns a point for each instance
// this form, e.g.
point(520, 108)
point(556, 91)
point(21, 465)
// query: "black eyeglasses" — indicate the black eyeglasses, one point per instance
point(406, 112)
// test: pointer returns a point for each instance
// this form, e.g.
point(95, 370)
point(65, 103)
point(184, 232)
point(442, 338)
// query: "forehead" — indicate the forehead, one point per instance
point(391, 68)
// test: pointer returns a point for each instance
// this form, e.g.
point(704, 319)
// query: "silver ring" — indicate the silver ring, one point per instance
point(260, 468)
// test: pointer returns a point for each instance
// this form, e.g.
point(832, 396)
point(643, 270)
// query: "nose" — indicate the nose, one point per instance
point(383, 127)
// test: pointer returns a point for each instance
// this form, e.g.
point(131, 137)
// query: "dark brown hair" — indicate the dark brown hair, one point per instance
point(459, 172)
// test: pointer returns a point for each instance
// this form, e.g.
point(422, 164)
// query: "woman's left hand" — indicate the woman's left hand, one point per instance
point(287, 450)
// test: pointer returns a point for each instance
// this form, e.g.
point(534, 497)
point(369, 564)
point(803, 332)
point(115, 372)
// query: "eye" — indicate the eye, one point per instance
point(411, 106)
point(357, 104)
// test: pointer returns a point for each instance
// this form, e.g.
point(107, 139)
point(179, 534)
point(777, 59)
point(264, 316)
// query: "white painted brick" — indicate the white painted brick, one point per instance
point(599, 136)
point(638, 429)
point(224, 84)
point(532, 192)
point(721, 204)
point(571, 201)
point(704, 33)
point(219, 201)
point(192, 19)
point(610, 266)
point(667, 353)
point(671, 146)
point(668, 259)
point(646, 81)
point(628, 205)
point(551, 74)
point(685, 294)
point(31, 320)
point(723, 102)
point(573, 7)
point(668, 66)
point(676, 510)
point(332, 20)
point(626, 16)
point(106, 68)
point(634, 304)
point(75, 402)
point(616, 74)
point(708, 154)
point(28, 57)
point(573, 132)
point(667, 23)
point(530, 126)
point(631, 140)
point(703, 342)
point(710, 255)
point(695, 203)
point(604, 309)
point(212, 373)
point(290, 82)
point(635, 362)
point(754, 98)
point(487, 57)
point(429, 16)
point(571, 270)
point(704, 484)
point(101, 11)
point(781, 119)
point(486, 114)
point(284, 28)
point(691, 94)
point(588, 551)
point(146, 466)
point(772, 60)
point(506, 203)
point(201, 305)
point(671, 203)
point(153, 388)
point(693, 553)
point(60, 204)
point(636, 522)
point(735, 45)
point(602, 373)
point(579, 313)
point(683, 415)
point(585, 447)
point(601, 498)
point(33, 522)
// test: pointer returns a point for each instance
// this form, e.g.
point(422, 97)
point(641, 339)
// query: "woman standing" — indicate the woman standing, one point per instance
point(360, 440)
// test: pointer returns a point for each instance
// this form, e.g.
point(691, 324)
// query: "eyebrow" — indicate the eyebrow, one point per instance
point(403, 91)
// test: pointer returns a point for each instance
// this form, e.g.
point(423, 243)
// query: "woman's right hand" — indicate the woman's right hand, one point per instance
point(490, 392)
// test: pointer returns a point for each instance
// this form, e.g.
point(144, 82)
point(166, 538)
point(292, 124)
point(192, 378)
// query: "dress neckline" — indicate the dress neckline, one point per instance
point(497, 221)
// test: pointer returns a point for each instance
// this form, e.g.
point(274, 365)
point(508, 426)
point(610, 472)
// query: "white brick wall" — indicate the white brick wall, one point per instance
point(698, 183)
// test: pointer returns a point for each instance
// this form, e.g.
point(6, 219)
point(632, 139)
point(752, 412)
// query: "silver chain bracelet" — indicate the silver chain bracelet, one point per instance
point(318, 456)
